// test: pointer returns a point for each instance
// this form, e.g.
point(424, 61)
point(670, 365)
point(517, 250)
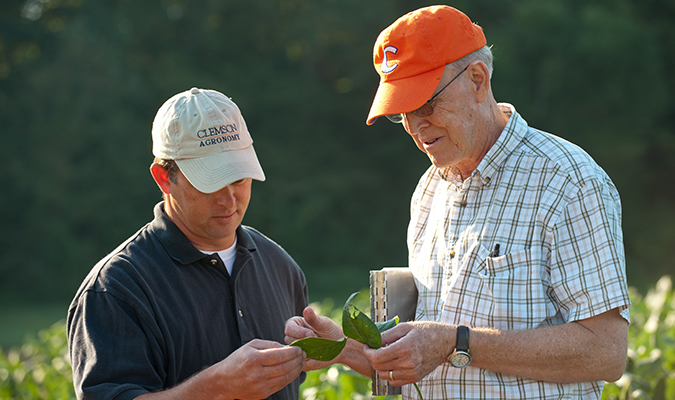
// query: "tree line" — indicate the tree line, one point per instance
point(81, 80)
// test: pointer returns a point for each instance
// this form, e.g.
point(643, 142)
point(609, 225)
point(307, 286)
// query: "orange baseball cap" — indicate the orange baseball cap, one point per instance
point(411, 54)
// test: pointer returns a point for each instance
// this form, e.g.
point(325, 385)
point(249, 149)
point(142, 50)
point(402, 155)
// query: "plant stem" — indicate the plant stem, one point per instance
point(418, 391)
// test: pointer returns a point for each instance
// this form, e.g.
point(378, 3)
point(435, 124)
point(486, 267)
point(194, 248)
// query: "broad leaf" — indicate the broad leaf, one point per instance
point(319, 348)
point(386, 325)
point(359, 326)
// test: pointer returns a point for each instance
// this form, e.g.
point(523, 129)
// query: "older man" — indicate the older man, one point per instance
point(515, 237)
point(193, 305)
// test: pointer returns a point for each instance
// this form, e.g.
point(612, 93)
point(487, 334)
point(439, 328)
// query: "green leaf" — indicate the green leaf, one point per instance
point(386, 325)
point(359, 326)
point(320, 348)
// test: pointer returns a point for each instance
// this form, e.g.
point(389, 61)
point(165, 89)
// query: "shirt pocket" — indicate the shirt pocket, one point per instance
point(514, 290)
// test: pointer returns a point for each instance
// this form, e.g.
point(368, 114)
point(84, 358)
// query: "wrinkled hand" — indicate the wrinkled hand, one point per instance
point(411, 350)
point(312, 325)
point(259, 368)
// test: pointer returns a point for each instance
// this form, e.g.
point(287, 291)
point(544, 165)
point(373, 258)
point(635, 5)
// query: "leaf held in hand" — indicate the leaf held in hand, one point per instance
point(319, 348)
point(386, 325)
point(359, 326)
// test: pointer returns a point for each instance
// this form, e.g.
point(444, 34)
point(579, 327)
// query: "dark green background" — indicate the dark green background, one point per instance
point(81, 80)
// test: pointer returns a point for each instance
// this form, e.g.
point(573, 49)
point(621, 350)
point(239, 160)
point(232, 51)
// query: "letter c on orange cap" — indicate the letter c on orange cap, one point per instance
point(385, 68)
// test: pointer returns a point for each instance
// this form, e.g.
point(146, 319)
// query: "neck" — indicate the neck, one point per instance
point(493, 122)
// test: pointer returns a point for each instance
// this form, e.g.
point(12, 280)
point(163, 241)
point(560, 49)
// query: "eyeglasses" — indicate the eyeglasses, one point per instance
point(427, 109)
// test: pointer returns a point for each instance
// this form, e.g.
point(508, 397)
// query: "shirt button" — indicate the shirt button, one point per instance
point(487, 179)
point(462, 203)
point(452, 254)
point(241, 314)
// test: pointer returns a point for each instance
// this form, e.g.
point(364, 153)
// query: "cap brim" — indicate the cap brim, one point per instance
point(212, 173)
point(404, 95)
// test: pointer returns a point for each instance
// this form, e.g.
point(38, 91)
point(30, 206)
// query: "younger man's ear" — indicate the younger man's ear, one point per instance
point(161, 177)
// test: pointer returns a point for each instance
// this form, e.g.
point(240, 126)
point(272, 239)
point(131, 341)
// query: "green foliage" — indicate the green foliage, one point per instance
point(319, 348)
point(336, 382)
point(359, 326)
point(386, 325)
point(80, 82)
point(650, 371)
point(40, 369)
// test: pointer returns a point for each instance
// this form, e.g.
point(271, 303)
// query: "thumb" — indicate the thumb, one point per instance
point(323, 326)
point(310, 317)
point(259, 344)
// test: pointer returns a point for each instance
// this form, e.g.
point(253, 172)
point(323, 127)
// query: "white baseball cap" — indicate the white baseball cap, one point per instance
point(205, 133)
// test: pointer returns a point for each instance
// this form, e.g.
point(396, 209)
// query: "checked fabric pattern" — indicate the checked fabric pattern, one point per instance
point(556, 216)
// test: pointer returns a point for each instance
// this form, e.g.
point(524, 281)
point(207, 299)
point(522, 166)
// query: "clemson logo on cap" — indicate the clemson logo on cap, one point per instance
point(386, 68)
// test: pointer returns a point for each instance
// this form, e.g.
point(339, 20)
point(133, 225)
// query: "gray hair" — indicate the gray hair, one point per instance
point(483, 54)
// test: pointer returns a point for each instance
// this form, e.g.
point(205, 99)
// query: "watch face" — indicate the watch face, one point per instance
point(460, 360)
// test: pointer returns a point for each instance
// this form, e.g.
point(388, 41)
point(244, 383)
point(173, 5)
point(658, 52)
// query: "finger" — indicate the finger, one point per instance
point(396, 333)
point(263, 382)
point(396, 377)
point(312, 365)
point(264, 344)
point(279, 376)
point(384, 358)
point(290, 339)
point(285, 371)
point(387, 375)
point(278, 356)
point(298, 327)
point(293, 333)
point(392, 375)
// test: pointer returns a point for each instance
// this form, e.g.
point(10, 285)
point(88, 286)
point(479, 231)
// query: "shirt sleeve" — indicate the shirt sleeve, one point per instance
point(587, 256)
point(113, 353)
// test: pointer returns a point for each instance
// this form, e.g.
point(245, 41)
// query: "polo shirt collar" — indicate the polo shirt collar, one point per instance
point(178, 246)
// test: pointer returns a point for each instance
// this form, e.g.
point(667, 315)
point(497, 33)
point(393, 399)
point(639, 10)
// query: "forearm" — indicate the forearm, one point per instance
point(575, 352)
point(200, 386)
point(584, 351)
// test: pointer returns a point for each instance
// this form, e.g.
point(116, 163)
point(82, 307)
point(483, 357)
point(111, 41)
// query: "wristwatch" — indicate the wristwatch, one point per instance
point(460, 357)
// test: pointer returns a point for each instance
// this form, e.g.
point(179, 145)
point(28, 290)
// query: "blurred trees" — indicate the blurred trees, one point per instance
point(80, 82)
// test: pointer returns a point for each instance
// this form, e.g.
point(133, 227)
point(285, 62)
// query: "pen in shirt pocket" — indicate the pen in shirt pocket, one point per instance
point(495, 251)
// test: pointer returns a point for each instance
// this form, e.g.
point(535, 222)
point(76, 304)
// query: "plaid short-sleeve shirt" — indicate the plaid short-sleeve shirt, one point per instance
point(531, 239)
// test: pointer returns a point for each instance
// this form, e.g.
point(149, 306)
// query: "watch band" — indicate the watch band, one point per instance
point(460, 356)
point(462, 338)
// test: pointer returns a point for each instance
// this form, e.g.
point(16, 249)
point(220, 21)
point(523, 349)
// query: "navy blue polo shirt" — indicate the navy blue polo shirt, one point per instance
point(156, 310)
